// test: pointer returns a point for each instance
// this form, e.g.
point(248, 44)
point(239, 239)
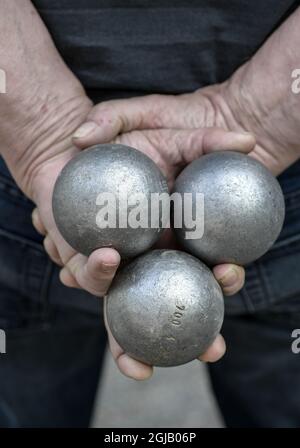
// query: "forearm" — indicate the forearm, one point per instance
point(260, 97)
point(44, 102)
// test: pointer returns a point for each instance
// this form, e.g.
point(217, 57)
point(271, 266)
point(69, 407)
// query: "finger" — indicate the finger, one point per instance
point(37, 222)
point(132, 368)
point(215, 351)
point(179, 147)
point(128, 366)
point(93, 133)
point(166, 147)
point(217, 139)
point(51, 250)
point(110, 118)
point(68, 279)
point(193, 143)
point(231, 277)
point(95, 273)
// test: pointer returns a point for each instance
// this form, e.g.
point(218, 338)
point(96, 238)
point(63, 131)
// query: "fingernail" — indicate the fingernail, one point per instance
point(246, 134)
point(108, 267)
point(85, 129)
point(229, 278)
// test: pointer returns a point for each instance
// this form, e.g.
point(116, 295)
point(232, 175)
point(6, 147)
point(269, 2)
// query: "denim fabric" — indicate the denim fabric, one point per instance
point(25, 260)
point(55, 337)
point(275, 278)
point(256, 383)
point(50, 372)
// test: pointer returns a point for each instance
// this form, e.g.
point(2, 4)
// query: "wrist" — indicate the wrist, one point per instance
point(245, 103)
point(42, 132)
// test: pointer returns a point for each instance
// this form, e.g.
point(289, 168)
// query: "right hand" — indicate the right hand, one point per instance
point(95, 273)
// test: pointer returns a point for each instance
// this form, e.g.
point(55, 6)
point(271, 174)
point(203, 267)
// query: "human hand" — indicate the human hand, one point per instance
point(92, 275)
point(167, 148)
point(243, 104)
point(230, 277)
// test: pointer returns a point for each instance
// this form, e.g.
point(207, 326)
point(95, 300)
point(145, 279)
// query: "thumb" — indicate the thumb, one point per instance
point(110, 118)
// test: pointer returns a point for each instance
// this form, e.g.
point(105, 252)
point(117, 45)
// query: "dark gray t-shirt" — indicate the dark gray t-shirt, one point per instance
point(128, 47)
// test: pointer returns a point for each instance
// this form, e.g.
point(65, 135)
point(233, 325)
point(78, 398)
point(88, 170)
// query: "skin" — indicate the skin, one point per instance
point(96, 273)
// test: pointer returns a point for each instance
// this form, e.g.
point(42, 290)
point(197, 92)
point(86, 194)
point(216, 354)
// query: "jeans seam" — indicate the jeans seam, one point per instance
point(20, 239)
point(247, 300)
point(265, 285)
point(44, 291)
point(255, 291)
point(292, 194)
point(285, 242)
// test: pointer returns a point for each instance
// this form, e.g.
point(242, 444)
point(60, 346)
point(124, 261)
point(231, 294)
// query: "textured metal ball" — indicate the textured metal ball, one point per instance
point(243, 208)
point(165, 308)
point(116, 170)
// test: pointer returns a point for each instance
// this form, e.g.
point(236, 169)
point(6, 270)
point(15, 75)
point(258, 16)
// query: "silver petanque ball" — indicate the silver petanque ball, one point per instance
point(243, 208)
point(102, 199)
point(165, 308)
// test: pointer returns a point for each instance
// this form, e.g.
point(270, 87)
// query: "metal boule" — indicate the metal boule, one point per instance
point(90, 181)
point(243, 208)
point(165, 308)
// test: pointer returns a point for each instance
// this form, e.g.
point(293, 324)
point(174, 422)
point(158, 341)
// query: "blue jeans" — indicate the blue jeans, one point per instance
point(56, 339)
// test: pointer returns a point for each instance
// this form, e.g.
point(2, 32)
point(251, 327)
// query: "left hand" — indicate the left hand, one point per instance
point(232, 106)
point(168, 148)
point(171, 148)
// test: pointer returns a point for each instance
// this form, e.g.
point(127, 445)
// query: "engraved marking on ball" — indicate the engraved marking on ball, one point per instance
point(178, 315)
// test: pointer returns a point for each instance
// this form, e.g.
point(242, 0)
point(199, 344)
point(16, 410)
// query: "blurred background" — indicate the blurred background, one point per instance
point(174, 397)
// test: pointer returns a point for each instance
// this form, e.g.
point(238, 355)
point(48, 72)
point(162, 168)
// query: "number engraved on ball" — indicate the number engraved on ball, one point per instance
point(175, 320)
point(177, 315)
